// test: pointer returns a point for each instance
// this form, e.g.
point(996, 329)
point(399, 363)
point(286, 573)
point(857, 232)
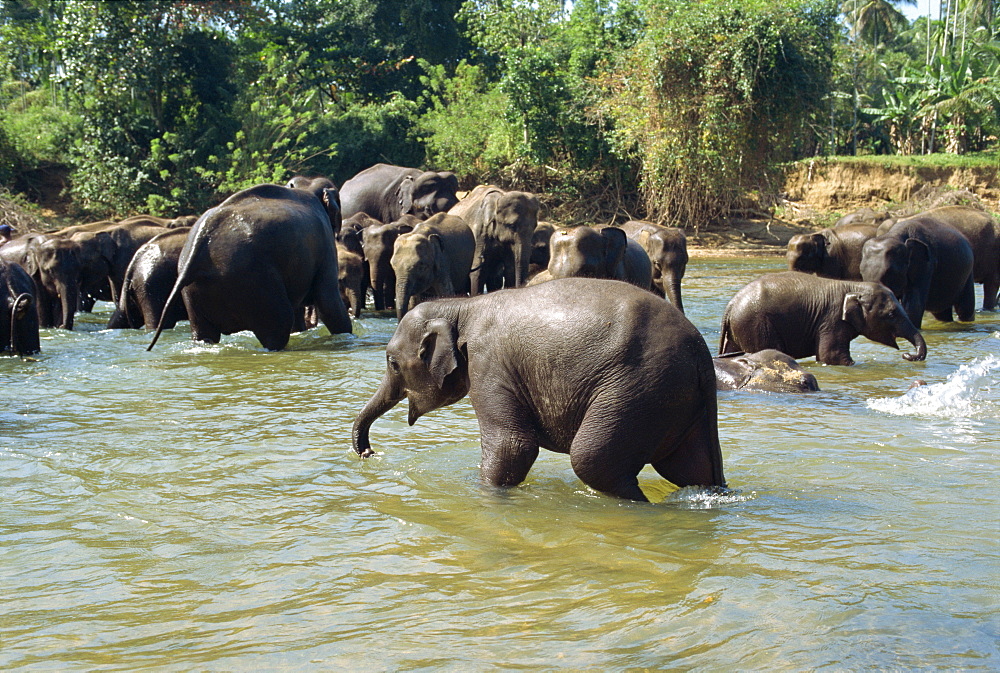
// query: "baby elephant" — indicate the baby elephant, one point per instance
point(598, 369)
point(803, 315)
point(767, 371)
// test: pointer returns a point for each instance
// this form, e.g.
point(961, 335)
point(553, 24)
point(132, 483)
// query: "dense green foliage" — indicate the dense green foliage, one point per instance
point(665, 109)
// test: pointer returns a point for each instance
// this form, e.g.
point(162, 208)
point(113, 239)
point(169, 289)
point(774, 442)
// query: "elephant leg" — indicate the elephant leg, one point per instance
point(990, 289)
point(944, 316)
point(509, 443)
point(203, 330)
point(329, 306)
point(602, 455)
point(965, 307)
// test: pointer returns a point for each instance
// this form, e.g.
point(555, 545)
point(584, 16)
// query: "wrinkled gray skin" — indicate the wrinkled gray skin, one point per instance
point(255, 260)
point(148, 281)
point(666, 248)
point(433, 260)
point(768, 371)
point(831, 253)
point(378, 242)
point(18, 315)
point(983, 234)
point(863, 216)
point(616, 378)
point(503, 224)
point(352, 281)
point(539, 260)
point(586, 252)
point(927, 264)
point(803, 315)
point(54, 265)
point(387, 192)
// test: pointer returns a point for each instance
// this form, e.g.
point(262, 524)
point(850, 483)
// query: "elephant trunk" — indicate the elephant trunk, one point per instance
point(917, 339)
point(404, 292)
point(522, 260)
point(387, 396)
point(69, 298)
point(672, 288)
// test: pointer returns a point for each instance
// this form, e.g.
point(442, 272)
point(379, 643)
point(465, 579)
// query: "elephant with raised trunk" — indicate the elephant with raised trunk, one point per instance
point(503, 223)
point(18, 316)
point(666, 248)
point(600, 370)
point(803, 315)
point(386, 192)
point(433, 260)
point(928, 266)
point(255, 260)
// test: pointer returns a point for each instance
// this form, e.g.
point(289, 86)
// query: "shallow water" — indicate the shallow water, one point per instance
point(199, 507)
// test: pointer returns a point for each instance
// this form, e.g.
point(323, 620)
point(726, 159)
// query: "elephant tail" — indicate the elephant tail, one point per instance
point(195, 246)
point(727, 344)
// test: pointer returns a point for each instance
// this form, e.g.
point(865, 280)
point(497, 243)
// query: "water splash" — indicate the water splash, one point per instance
point(972, 391)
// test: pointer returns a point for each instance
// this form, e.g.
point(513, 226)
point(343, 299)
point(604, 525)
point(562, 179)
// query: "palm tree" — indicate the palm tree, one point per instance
point(875, 21)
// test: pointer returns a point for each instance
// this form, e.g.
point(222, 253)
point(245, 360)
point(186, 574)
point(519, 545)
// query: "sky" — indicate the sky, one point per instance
point(911, 12)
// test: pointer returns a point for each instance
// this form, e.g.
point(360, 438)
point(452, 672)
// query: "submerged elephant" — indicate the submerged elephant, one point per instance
point(667, 251)
point(768, 370)
point(616, 378)
point(433, 260)
point(928, 266)
point(255, 260)
point(386, 192)
point(831, 253)
point(586, 252)
point(147, 284)
point(503, 223)
point(18, 317)
point(803, 315)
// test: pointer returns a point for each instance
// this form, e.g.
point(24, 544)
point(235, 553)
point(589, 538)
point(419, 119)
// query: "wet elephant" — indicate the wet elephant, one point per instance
point(386, 192)
point(18, 315)
point(666, 248)
point(352, 280)
point(378, 242)
point(586, 252)
point(148, 281)
point(503, 223)
point(928, 266)
point(54, 265)
point(433, 260)
point(253, 262)
point(831, 253)
point(803, 315)
point(768, 371)
point(616, 378)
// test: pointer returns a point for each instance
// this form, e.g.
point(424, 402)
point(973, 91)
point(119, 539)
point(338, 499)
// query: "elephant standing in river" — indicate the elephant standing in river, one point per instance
point(148, 281)
point(831, 253)
point(433, 260)
point(18, 316)
point(386, 192)
point(598, 369)
point(54, 266)
point(666, 248)
point(378, 242)
point(768, 371)
point(803, 315)
point(586, 252)
point(503, 223)
point(255, 260)
point(352, 278)
point(927, 264)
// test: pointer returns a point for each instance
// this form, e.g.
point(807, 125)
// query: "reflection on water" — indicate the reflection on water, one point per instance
point(199, 507)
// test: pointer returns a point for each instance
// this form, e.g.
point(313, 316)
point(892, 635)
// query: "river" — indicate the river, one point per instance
point(199, 507)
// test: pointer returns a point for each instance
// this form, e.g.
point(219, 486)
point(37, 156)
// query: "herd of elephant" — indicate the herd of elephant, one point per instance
point(276, 259)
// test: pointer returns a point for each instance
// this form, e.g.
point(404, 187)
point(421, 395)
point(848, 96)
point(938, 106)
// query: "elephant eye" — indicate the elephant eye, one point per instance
point(393, 365)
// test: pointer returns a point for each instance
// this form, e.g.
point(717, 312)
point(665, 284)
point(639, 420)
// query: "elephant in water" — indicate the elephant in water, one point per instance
point(18, 316)
point(148, 281)
point(587, 252)
point(768, 370)
point(667, 251)
point(433, 260)
point(255, 260)
point(803, 315)
point(831, 253)
point(598, 369)
point(387, 192)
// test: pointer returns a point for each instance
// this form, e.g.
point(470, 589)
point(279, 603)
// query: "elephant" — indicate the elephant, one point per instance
point(768, 370)
point(352, 281)
point(503, 223)
point(586, 252)
point(927, 264)
point(983, 234)
point(863, 216)
point(539, 260)
point(666, 248)
point(165, 222)
point(803, 315)
point(831, 253)
point(255, 260)
point(432, 260)
point(598, 369)
point(378, 242)
point(19, 317)
point(386, 192)
point(147, 284)
point(54, 266)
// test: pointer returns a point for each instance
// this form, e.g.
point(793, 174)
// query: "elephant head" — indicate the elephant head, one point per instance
point(418, 260)
point(427, 193)
point(55, 265)
point(425, 364)
point(351, 276)
point(875, 313)
point(328, 194)
point(768, 370)
point(807, 253)
point(97, 260)
point(667, 251)
point(586, 252)
point(19, 317)
point(378, 241)
point(903, 266)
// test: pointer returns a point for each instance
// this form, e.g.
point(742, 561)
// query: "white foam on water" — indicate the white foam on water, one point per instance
point(972, 391)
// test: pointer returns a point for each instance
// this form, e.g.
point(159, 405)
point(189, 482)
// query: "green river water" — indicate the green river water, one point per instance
point(199, 508)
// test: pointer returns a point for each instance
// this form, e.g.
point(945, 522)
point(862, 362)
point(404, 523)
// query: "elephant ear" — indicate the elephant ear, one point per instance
point(820, 241)
point(330, 196)
point(918, 267)
point(643, 238)
point(615, 242)
point(406, 195)
point(853, 312)
point(438, 350)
